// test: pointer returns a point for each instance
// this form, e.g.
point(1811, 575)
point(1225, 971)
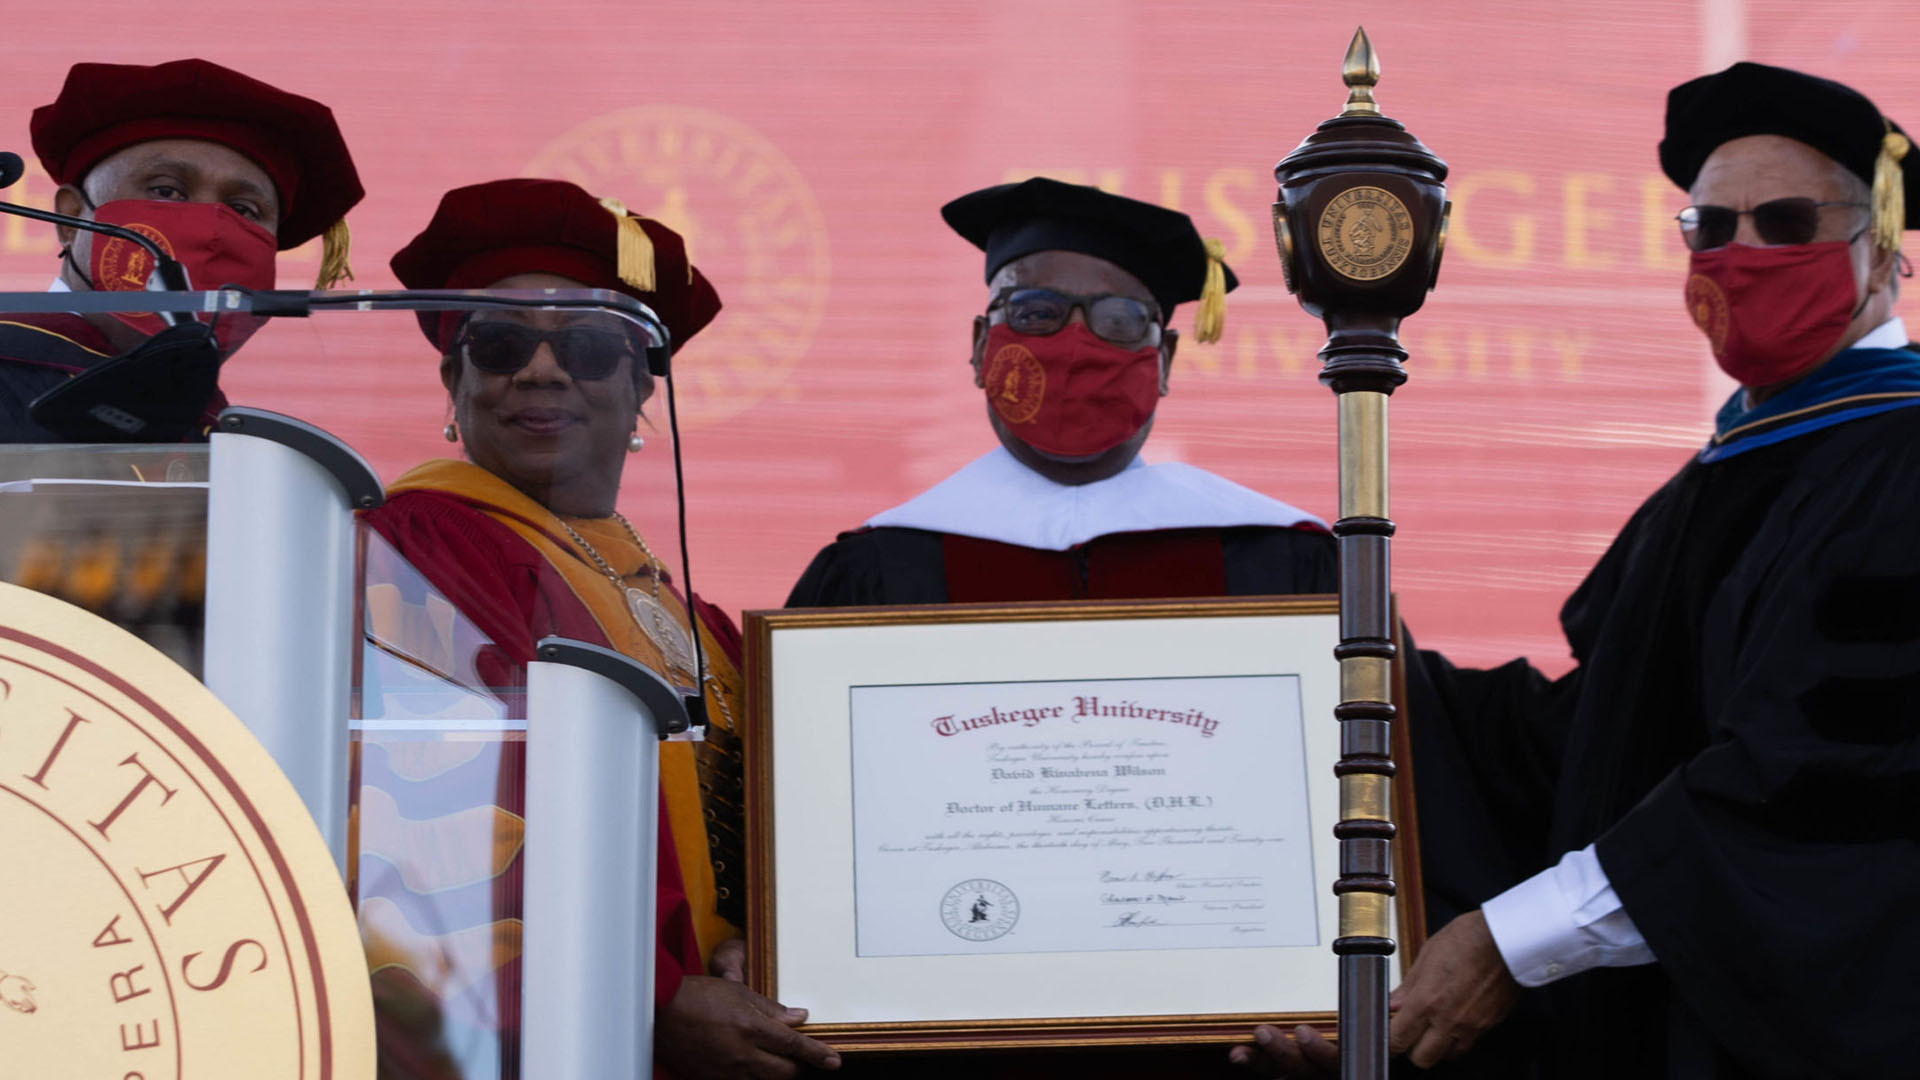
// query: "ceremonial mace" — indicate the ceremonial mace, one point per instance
point(1360, 223)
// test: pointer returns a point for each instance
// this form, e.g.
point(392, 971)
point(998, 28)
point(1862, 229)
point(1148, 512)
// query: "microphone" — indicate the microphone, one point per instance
point(171, 276)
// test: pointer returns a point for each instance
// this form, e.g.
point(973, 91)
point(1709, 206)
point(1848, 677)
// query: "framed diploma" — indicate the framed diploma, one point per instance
point(1035, 825)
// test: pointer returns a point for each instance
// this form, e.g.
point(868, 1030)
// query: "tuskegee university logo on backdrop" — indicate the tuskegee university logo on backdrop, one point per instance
point(751, 225)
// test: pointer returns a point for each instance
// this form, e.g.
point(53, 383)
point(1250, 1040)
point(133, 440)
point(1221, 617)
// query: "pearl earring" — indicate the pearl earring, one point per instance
point(634, 444)
point(451, 431)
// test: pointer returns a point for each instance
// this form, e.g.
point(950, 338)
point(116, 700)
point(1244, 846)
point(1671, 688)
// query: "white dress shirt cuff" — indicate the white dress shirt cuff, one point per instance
point(1562, 921)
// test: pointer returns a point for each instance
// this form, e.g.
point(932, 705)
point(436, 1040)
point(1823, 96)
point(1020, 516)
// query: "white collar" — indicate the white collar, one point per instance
point(997, 498)
point(1891, 334)
point(59, 285)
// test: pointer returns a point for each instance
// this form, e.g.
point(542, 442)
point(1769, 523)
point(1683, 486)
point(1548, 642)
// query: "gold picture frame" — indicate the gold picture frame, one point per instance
point(764, 631)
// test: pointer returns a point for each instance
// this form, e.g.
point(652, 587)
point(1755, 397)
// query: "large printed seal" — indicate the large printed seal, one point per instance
point(751, 225)
point(980, 909)
point(1365, 233)
point(167, 908)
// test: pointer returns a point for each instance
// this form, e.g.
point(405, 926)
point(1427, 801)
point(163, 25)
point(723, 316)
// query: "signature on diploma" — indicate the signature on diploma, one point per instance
point(1172, 880)
point(1181, 900)
point(1140, 920)
point(1116, 877)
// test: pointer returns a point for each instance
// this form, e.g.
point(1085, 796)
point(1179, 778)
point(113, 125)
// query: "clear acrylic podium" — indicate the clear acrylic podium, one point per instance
point(498, 838)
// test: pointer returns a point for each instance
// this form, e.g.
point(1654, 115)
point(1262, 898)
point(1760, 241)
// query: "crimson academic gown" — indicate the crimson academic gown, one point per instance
point(516, 597)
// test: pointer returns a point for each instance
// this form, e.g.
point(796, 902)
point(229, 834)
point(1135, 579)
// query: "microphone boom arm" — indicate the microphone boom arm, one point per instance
point(171, 276)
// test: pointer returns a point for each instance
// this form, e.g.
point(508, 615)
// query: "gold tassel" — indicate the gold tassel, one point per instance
point(334, 244)
point(1212, 317)
point(1890, 191)
point(633, 253)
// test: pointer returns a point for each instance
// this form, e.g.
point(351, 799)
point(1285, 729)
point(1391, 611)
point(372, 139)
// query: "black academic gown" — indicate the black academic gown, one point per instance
point(41, 351)
point(915, 566)
point(1741, 737)
point(37, 353)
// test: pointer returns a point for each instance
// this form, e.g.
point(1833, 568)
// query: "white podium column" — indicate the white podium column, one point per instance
point(281, 629)
point(594, 724)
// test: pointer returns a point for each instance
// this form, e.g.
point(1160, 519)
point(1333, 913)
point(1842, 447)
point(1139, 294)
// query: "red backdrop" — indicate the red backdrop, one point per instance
point(805, 150)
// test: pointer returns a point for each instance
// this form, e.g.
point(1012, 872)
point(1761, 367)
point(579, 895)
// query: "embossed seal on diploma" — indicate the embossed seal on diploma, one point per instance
point(980, 909)
point(1365, 233)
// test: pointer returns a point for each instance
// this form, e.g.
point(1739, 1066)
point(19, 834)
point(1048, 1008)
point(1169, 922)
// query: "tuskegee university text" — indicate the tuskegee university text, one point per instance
point(1077, 710)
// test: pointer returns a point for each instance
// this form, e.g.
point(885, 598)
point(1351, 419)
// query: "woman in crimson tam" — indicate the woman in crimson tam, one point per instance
point(524, 538)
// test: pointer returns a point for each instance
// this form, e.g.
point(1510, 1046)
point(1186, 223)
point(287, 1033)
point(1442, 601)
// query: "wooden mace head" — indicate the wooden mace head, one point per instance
point(1360, 224)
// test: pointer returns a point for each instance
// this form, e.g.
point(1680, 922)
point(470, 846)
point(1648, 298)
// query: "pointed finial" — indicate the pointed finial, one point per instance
point(1360, 70)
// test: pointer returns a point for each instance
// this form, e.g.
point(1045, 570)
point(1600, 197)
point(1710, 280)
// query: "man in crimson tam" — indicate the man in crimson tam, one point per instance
point(223, 172)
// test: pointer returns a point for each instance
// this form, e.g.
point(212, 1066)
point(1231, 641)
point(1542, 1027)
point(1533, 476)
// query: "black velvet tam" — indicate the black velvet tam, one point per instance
point(1159, 246)
point(1756, 99)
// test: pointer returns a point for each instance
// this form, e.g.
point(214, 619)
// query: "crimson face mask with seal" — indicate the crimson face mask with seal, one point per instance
point(214, 244)
point(1070, 393)
point(1772, 313)
point(161, 390)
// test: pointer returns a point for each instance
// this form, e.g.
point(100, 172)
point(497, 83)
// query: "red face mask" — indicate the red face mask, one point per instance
point(1771, 313)
point(215, 245)
point(1070, 393)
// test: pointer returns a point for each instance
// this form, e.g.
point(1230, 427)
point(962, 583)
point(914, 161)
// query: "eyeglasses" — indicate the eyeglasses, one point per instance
point(502, 348)
point(1121, 320)
point(1778, 221)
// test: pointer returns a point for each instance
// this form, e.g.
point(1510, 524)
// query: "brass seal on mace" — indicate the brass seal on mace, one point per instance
point(1365, 233)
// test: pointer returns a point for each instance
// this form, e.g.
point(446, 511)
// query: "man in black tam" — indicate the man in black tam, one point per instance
point(1074, 349)
point(1698, 854)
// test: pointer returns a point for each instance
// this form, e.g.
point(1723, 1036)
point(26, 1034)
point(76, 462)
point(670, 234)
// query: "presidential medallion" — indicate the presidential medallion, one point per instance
point(1365, 233)
point(675, 644)
point(170, 909)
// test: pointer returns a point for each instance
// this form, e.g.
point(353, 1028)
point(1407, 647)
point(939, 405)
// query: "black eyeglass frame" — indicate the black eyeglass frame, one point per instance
point(1156, 322)
point(1758, 213)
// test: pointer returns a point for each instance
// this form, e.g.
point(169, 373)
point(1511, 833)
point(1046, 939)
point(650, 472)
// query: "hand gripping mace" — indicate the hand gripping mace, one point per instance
point(1360, 224)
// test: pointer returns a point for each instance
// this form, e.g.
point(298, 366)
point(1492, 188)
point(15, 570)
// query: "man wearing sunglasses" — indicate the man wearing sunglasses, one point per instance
point(1073, 351)
point(1696, 855)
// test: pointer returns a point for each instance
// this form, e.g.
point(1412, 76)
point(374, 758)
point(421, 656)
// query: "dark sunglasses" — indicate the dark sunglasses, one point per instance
point(1121, 320)
point(1778, 221)
point(502, 348)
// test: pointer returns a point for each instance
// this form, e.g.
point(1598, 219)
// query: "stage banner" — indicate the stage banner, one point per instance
point(805, 150)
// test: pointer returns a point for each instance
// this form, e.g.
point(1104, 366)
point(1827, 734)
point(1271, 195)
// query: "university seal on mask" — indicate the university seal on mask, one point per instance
point(1016, 384)
point(980, 910)
point(1708, 307)
point(126, 265)
point(1365, 233)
